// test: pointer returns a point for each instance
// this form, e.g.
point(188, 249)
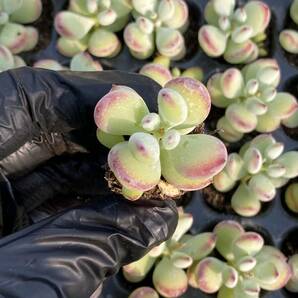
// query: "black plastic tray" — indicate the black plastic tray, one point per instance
point(275, 222)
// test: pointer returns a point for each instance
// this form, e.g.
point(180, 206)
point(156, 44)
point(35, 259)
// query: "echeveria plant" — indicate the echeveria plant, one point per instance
point(160, 24)
point(159, 71)
point(257, 170)
point(249, 265)
point(292, 285)
point(15, 37)
point(171, 257)
point(288, 38)
point(79, 62)
point(158, 144)
point(291, 197)
point(237, 34)
point(251, 100)
point(91, 24)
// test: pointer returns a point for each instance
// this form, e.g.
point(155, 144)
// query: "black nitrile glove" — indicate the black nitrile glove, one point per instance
point(51, 163)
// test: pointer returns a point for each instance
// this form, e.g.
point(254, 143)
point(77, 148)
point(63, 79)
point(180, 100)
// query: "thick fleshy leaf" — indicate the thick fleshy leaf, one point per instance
point(256, 106)
point(185, 221)
point(9, 6)
point(194, 72)
point(70, 47)
point(6, 59)
point(187, 171)
point(239, 52)
point(181, 260)
point(84, 7)
point(253, 160)
point(120, 111)
point(28, 12)
point(84, 62)
point(107, 17)
point(145, 25)
point(268, 75)
point(212, 40)
point(103, 43)
point(31, 38)
point(262, 142)
point(276, 170)
point(137, 271)
point(144, 6)
point(144, 292)
point(230, 277)
point(291, 121)
point(157, 250)
point(291, 199)
point(223, 182)
point(279, 260)
point(235, 166)
point(294, 11)
point(48, 64)
point(227, 231)
point(246, 263)
point(108, 140)
point(170, 43)
point(289, 40)
point(249, 287)
point(266, 272)
point(242, 34)
point(274, 151)
point(169, 280)
point(140, 44)
point(166, 9)
point(231, 83)
point(240, 118)
point(209, 275)
point(72, 25)
point(224, 8)
point(268, 94)
point(245, 202)
point(262, 186)
point(179, 19)
point(214, 88)
point(210, 14)
point(199, 246)
point(224, 23)
point(258, 16)
point(157, 72)
point(290, 161)
point(267, 122)
point(227, 132)
point(197, 98)
point(247, 244)
point(171, 139)
point(130, 172)
point(240, 15)
point(172, 107)
point(292, 285)
point(144, 147)
point(151, 122)
point(252, 86)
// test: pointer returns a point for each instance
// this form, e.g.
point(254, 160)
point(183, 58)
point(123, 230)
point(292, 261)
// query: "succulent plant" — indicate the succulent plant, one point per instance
point(171, 257)
point(80, 62)
point(249, 265)
point(158, 144)
point(15, 37)
point(251, 100)
point(91, 24)
point(257, 170)
point(292, 285)
point(291, 197)
point(159, 71)
point(288, 38)
point(160, 24)
point(237, 34)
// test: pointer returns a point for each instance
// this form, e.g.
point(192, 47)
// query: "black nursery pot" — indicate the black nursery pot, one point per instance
point(275, 222)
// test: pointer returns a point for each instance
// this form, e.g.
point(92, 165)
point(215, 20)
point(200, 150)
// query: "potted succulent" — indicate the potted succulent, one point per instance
point(236, 34)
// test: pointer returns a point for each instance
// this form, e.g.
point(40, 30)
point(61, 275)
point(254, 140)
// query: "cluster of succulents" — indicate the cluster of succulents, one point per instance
point(248, 265)
point(159, 70)
point(256, 171)
point(158, 143)
point(236, 34)
point(251, 100)
point(158, 24)
point(288, 38)
point(79, 62)
point(15, 36)
point(91, 25)
point(291, 197)
point(292, 285)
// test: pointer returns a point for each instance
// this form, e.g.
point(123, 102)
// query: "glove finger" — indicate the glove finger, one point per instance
point(70, 254)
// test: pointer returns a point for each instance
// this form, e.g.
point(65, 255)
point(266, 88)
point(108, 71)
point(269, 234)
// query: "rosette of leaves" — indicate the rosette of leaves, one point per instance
point(15, 36)
point(251, 100)
point(79, 62)
point(90, 25)
point(256, 171)
point(288, 38)
point(159, 71)
point(147, 146)
point(236, 34)
point(248, 265)
point(170, 259)
point(158, 24)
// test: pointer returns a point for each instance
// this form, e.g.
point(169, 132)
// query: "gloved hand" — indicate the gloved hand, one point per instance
point(48, 151)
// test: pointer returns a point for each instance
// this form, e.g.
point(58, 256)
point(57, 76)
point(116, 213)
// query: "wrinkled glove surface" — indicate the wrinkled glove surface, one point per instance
point(63, 232)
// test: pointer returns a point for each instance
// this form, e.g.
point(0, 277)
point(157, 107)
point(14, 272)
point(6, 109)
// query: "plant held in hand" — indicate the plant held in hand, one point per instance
point(160, 24)
point(237, 34)
point(251, 100)
point(91, 25)
point(158, 144)
point(249, 267)
point(15, 37)
point(258, 169)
